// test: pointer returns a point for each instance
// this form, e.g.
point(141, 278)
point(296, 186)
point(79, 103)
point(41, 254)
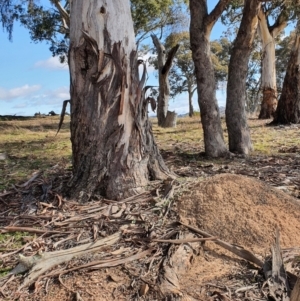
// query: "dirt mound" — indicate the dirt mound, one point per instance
point(242, 211)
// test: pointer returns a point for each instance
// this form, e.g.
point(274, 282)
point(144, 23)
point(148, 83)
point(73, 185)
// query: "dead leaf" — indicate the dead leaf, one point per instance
point(144, 289)
point(115, 278)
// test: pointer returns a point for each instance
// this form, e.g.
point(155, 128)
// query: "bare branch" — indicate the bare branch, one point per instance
point(214, 15)
point(171, 55)
point(64, 14)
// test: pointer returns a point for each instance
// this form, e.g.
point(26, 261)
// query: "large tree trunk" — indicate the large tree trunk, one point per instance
point(164, 66)
point(268, 73)
point(236, 120)
point(200, 29)
point(288, 110)
point(114, 152)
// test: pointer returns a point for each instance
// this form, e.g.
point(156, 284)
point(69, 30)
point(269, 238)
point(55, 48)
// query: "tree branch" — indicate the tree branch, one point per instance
point(280, 23)
point(214, 15)
point(64, 14)
point(166, 68)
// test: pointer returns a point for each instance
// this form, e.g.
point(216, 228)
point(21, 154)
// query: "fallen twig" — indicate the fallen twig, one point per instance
point(182, 241)
point(31, 230)
point(245, 254)
point(39, 264)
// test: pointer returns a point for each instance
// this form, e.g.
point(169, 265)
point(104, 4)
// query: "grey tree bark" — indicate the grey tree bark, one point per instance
point(114, 152)
point(288, 110)
point(236, 119)
point(164, 65)
point(191, 107)
point(200, 29)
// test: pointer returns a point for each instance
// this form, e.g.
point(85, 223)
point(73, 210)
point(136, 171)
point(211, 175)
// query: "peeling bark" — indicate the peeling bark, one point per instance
point(288, 110)
point(114, 152)
point(164, 66)
point(268, 77)
point(236, 119)
point(200, 29)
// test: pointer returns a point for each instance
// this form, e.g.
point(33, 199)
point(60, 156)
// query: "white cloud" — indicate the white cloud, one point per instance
point(8, 94)
point(52, 63)
point(20, 105)
point(51, 97)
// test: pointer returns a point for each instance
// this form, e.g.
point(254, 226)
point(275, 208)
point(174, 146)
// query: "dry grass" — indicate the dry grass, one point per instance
point(31, 143)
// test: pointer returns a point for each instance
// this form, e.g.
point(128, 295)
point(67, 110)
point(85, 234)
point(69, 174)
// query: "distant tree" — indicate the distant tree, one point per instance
point(268, 33)
point(152, 17)
point(164, 64)
point(253, 82)
point(220, 55)
point(288, 109)
point(283, 50)
point(182, 74)
point(202, 23)
point(279, 12)
point(236, 120)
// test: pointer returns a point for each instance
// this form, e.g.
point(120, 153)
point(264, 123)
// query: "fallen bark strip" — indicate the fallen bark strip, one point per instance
point(278, 284)
point(182, 241)
point(243, 253)
point(39, 264)
point(295, 296)
point(95, 265)
point(177, 262)
point(31, 230)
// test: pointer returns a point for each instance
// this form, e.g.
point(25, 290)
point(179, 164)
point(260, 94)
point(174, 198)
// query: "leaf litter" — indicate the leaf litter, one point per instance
point(144, 231)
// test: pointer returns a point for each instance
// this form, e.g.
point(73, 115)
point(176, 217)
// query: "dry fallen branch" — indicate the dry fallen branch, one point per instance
point(39, 264)
point(31, 230)
point(182, 241)
point(278, 285)
point(36, 175)
point(245, 254)
point(176, 263)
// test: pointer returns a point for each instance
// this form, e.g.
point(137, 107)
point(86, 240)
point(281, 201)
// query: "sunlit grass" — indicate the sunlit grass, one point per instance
point(32, 144)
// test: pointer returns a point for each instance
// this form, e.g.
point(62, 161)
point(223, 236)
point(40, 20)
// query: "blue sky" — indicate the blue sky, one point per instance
point(31, 80)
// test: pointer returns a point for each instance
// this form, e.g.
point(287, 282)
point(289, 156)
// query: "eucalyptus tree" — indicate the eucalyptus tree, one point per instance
point(288, 109)
point(236, 120)
point(285, 44)
point(45, 22)
point(201, 25)
point(268, 33)
point(164, 64)
point(113, 148)
point(155, 17)
point(273, 18)
point(182, 74)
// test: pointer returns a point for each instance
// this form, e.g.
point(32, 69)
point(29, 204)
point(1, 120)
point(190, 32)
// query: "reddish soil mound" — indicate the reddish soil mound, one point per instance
point(242, 211)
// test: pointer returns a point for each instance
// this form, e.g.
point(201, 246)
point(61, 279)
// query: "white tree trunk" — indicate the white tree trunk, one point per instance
point(268, 73)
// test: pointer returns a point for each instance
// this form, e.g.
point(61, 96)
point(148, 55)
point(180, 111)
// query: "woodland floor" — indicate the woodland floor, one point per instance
point(241, 201)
